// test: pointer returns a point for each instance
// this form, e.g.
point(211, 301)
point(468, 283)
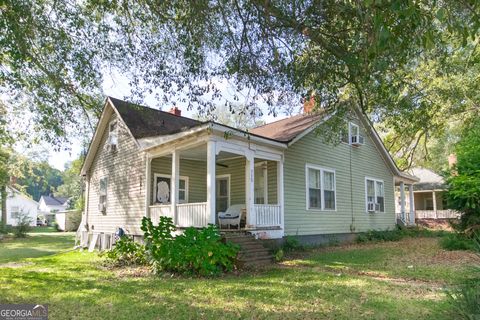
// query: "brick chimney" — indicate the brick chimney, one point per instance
point(452, 160)
point(309, 104)
point(175, 111)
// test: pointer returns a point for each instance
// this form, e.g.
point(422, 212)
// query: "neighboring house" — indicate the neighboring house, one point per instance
point(18, 202)
point(146, 162)
point(429, 196)
point(50, 205)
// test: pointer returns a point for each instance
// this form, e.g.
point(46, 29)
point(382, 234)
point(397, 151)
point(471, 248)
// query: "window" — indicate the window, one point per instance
point(260, 183)
point(113, 134)
point(14, 212)
point(102, 202)
point(375, 195)
point(320, 188)
point(162, 186)
point(352, 136)
point(223, 193)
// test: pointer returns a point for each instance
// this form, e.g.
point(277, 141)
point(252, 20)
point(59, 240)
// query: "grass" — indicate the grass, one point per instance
point(367, 281)
point(35, 245)
point(43, 229)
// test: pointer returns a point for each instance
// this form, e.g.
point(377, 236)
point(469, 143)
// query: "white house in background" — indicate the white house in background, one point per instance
point(429, 196)
point(50, 205)
point(18, 202)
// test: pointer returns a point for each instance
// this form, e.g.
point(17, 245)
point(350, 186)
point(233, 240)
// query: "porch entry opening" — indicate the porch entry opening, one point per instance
point(222, 193)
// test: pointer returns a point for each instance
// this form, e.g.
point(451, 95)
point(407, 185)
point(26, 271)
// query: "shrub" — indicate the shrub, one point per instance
point(279, 255)
point(396, 234)
point(23, 225)
point(291, 243)
point(127, 252)
point(457, 241)
point(196, 251)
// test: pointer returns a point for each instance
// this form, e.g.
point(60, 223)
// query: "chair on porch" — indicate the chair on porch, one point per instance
point(232, 216)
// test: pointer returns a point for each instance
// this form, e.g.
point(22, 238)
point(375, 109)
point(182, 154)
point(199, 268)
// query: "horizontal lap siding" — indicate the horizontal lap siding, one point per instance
point(366, 161)
point(125, 169)
point(196, 171)
point(236, 169)
point(272, 182)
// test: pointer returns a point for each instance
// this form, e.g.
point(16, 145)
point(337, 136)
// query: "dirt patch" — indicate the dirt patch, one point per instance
point(435, 224)
point(133, 272)
point(15, 264)
point(456, 258)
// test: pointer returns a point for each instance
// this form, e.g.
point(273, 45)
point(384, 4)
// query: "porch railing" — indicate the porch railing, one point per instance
point(192, 214)
point(188, 214)
point(267, 215)
point(160, 210)
point(438, 214)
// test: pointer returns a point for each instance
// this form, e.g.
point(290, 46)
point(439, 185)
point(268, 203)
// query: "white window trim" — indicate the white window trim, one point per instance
point(160, 175)
point(350, 125)
point(114, 121)
point(322, 200)
point(99, 193)
point(375, 180)
point(229, 178)
point(265, 179)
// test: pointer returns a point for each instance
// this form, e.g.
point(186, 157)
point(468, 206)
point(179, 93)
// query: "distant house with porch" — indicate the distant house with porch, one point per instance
point(281, 178)
point(50, 205)
point(429, 196)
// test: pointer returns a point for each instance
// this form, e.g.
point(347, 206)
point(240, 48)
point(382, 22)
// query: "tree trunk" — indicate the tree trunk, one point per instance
point(3, 195)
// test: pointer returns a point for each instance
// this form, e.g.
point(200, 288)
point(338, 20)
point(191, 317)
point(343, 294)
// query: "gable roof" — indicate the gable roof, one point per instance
point(54, 201)
point(146, 122)
point(286, 130)
point(23, 195)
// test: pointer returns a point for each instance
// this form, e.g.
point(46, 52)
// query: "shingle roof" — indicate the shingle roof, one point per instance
point(286, 130)
point(147, 122)
point(427, 176)
point(54, 201)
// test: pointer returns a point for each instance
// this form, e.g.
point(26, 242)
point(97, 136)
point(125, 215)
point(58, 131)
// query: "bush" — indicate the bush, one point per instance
point(396, 235)
point(200, 252)
point(457, 241)
point(291, 243)
point(23, 225)
point(127, 252)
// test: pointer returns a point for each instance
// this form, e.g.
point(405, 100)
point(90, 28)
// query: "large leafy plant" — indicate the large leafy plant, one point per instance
point(195, 251)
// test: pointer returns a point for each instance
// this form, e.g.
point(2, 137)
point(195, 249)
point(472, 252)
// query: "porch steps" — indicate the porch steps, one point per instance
point(252, 252)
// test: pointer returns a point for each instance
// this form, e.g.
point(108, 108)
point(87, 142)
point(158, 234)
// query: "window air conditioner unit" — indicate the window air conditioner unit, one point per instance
point(357, 140)
point(102, 207)
point(371, 207)
point(112, 142)
point(377, 206)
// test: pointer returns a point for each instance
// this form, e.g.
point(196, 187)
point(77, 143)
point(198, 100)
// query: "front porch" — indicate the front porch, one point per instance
point(195, 182)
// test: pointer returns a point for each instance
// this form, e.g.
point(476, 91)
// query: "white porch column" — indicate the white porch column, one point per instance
point(174, 183)
point(402, 201)
point(148, 184)
point(280, 195)
point(249, 190)
point(412, 204)
point(434, 198)
point(211, 158)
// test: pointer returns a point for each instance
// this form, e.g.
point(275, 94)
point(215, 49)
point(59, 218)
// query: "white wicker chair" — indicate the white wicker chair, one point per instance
point(232, 216)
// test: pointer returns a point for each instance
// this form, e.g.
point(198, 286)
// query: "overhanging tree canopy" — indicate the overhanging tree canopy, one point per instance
point(347, 52)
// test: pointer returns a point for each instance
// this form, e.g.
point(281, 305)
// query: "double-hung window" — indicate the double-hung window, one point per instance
point(375, 195)
point(320, 188)
point(103, 190)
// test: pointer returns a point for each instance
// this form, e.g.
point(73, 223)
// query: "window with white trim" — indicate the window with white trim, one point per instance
point(320, 188)
point(162, 186)
point(113, 134)
point(14, 212)
point(103, 191)
point(375, 195)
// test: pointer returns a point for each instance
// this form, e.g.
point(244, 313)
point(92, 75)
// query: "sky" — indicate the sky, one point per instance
point(116, 85)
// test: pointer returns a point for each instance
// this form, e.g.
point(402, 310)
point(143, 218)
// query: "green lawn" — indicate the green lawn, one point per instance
point(402, 280)
point(35, 245)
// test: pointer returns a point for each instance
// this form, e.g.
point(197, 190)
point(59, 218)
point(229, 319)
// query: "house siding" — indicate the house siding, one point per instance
point(125, 169)
point(351, 165)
